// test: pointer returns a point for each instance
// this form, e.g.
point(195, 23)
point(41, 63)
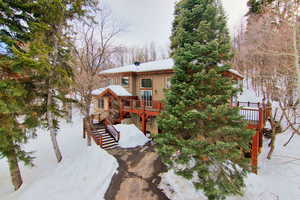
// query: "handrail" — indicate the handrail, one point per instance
point(89, 133)
point(113, 132)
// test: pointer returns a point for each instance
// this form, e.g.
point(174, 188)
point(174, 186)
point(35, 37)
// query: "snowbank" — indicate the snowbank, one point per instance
point(278, 178)
point(130, 136)
point(84, 173)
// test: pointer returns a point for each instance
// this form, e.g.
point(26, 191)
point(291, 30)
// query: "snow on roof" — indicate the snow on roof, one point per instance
point(117, 89)
point(235, 72)
point(166, 64)
point(143, 67)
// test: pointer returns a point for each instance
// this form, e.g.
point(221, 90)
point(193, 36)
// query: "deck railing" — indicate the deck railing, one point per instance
point(142, 104)
point(256, 114)
point(247, 104)
point(251, 115)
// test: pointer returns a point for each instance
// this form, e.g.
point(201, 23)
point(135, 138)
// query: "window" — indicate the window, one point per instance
point(101, 103)
point(146, 83)
point(146, 96)
point(109, 81)
point(125, 81)
point(168, 83)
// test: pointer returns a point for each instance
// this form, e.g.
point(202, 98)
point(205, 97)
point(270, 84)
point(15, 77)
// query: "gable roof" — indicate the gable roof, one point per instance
point(117, 89)
point(166, 64)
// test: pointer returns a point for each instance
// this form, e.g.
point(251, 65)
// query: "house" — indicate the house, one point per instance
point(135, 93)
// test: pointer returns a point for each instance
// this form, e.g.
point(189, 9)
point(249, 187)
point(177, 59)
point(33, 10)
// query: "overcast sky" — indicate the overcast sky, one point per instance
point(151, 20)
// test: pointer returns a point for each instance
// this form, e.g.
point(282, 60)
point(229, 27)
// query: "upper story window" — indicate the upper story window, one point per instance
point(168, 83)
point(146, 83)
point(125, 81)
point(101, 103)
point(109, 81)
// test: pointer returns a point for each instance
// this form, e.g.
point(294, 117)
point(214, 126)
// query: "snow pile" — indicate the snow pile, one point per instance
point(278, 178)
point(178, 188)
point(117, 89)
point(84, 173)
point(130, 136)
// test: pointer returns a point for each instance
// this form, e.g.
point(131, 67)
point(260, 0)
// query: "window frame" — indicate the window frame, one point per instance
point(100, 103)
point(141, 83)
point(125, 85)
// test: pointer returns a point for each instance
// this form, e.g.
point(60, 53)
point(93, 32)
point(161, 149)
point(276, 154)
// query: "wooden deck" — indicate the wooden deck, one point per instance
point(256, 115)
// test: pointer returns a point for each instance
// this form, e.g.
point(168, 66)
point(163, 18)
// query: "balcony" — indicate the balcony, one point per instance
point(142, 105)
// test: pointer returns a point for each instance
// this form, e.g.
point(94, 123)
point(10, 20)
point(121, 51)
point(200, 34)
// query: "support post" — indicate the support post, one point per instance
point(144, 123)
point(121, 110)
point(260, 140)
point(254, 152)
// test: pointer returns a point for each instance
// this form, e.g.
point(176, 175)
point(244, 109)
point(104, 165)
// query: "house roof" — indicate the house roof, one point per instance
point(166, 64)
point(117, 89)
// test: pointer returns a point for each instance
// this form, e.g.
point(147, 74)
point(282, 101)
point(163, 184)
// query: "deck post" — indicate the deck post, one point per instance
point(261, 119)
point(254, 152)
point(144, 123)
point(260, 140)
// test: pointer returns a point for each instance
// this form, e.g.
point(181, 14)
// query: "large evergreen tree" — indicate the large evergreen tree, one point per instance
point(203, 138)
point(30, 66)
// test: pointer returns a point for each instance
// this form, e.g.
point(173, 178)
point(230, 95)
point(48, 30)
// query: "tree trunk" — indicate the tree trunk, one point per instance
point(296, 55)
point(14, 169)
point(88, 129)
point(88, 121)
point(273, 139)
point(52, 129)
point(69, 112)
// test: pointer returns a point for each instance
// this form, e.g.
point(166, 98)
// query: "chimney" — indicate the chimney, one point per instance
point(137, 63)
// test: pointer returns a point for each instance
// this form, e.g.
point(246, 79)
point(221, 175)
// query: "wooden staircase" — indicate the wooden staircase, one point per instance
point(106, 136)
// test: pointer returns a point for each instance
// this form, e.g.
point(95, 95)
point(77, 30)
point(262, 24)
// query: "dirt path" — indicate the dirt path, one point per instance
point(137, 178)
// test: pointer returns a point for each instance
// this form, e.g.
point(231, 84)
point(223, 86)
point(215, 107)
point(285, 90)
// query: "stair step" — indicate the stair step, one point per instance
point(112, 147)
point(106, 136)
point(109, 146)
point(108, 141)
point(99, 130)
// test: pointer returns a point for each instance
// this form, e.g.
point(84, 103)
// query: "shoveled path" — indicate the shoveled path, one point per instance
point(138, 175)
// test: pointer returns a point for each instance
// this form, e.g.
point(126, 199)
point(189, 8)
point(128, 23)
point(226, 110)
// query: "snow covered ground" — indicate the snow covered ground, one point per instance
point(130, 136)
point(277, 179)
point(84, 173)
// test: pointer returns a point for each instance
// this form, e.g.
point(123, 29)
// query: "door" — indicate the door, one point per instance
point(146, 96)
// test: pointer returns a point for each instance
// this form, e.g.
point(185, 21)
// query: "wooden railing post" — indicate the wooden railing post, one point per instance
point(261, 118)
point(254, 152)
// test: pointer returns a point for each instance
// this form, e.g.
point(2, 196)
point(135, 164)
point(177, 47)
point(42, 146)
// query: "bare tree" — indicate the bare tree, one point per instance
point(267, 51)
point(145, 53)
point(94, 52)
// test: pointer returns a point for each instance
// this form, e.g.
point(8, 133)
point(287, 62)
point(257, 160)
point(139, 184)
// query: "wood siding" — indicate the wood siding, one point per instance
point(159, 84)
